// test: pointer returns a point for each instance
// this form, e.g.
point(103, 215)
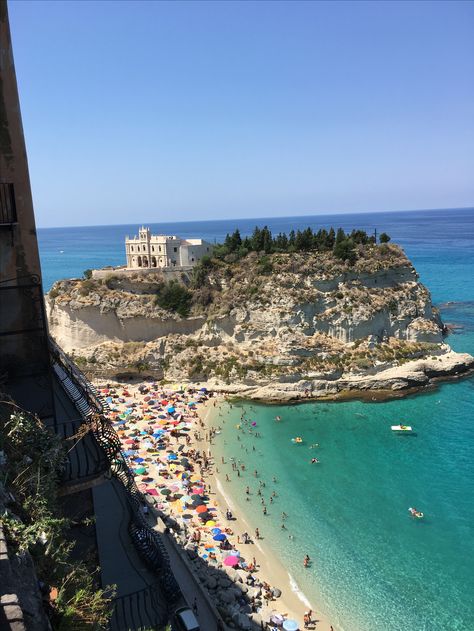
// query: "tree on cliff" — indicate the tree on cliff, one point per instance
point(384, 238)
point(345, 251)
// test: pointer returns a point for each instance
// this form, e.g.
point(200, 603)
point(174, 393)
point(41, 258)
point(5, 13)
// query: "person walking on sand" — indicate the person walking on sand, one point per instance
point(257, 533)
point(306, 560)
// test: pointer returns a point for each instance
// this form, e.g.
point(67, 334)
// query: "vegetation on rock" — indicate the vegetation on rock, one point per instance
point(35, 458)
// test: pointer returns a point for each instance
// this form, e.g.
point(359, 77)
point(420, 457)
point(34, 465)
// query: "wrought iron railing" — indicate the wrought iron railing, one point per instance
point(140, 610)
point(93, 410)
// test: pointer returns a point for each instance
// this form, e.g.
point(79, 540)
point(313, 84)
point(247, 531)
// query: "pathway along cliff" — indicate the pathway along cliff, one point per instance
point(275, 326)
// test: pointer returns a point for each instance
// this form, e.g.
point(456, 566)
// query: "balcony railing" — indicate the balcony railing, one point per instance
point(93, 409)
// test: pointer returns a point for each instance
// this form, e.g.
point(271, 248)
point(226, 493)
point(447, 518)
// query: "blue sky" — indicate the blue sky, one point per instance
point(148, 112)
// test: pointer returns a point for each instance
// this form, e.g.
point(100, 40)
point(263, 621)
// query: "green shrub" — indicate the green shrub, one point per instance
point(174, 297)
point(86, 287)
point(110, 280)
point(345, 251)
point(87, 273)
point(265, 265)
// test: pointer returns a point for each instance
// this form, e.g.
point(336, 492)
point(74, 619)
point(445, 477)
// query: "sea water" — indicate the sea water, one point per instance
point(374, 567)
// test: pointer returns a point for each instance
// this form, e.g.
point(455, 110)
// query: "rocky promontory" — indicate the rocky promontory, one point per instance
point(274, 326)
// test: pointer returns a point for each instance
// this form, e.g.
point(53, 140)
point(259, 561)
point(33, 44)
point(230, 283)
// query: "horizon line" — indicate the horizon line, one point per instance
point(337, 214)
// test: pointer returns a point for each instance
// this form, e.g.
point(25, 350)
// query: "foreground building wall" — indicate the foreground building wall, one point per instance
point(23, 328)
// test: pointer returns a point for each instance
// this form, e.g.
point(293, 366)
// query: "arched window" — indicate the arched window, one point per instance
point(139, 261)
point(145, 261)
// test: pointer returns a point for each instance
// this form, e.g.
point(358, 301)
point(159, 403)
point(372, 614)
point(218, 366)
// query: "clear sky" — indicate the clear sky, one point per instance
point(156, 111)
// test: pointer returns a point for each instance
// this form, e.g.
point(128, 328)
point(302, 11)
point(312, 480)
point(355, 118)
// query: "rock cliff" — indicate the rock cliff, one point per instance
point(274, 326)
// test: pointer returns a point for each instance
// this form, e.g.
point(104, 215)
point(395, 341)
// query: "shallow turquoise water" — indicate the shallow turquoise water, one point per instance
point(375, 567)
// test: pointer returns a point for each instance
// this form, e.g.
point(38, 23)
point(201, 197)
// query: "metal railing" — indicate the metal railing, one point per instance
point(93, 409)
point(139, 610)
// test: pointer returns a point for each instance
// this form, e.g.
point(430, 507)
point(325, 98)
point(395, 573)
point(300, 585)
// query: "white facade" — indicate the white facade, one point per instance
point(161, 251)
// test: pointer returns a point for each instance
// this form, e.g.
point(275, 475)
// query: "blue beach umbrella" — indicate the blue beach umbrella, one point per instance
point(139, 459)
point(170, 410)
point(215, 531)
point(172, 457)
point(291, 625)
point(219, 537)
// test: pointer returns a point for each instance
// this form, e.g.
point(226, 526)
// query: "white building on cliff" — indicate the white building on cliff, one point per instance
point(147, 251)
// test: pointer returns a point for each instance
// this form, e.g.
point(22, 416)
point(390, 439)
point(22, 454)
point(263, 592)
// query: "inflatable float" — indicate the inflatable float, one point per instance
point(415, 513)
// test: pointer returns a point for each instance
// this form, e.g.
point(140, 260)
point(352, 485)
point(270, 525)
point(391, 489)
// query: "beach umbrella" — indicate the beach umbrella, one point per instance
point(210, 523)
point(197, 498)
point(139, 459)
point(231, 561)
point(291, 625)
point(202, 508)
point(215, 531)
point(172, 457)
point(186, 498)
point(219, 537)
point(152, 492)
point(140, 470)
point(187, 516)
point(165, 492)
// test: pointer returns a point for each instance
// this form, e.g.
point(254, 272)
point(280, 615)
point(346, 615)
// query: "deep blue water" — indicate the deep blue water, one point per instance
point(375, 567)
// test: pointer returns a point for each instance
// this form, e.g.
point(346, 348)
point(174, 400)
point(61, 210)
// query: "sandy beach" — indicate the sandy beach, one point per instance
point(167, 436)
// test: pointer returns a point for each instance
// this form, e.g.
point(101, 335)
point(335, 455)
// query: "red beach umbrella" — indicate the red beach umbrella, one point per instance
point(202, 508)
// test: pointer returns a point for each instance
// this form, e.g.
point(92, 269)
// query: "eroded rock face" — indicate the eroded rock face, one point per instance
point(313, 320)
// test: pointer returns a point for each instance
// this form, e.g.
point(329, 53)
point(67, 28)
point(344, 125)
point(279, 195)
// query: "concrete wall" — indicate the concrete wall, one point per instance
point(22, 327)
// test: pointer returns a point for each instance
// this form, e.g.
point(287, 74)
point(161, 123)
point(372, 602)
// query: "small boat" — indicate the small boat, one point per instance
point(402, 428)
point(416, 513)
point(297, 440)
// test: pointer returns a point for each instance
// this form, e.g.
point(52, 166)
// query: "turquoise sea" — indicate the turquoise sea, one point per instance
point(375, 568)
